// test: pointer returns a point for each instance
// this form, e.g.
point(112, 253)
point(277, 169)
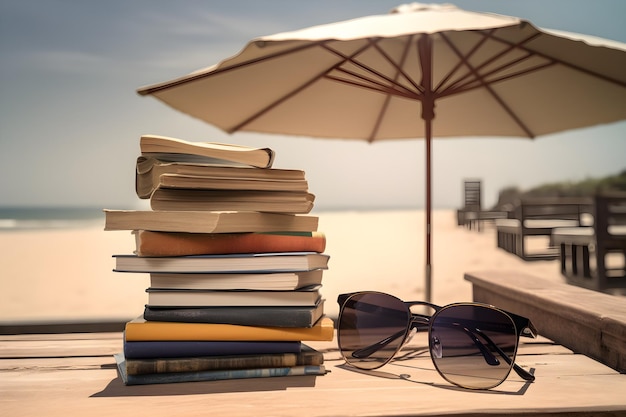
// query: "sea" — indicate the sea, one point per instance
point(39, 218)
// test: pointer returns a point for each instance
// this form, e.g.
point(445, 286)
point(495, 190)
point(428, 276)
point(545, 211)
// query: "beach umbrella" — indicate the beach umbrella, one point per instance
point(420, 71)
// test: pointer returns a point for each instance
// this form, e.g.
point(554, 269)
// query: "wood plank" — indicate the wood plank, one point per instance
point(585, 321)
point(59, 348)
point(61, 336)
point(566, 384)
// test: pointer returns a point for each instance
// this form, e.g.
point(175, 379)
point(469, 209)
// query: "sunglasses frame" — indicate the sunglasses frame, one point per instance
point(421, 322)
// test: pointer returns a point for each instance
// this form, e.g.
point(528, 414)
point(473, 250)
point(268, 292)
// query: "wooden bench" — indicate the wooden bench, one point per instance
point(588, 322)
point(594, 257)
point(536, 218)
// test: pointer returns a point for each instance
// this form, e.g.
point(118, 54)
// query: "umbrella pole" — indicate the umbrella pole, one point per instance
point(428, 271)
point(424, 45)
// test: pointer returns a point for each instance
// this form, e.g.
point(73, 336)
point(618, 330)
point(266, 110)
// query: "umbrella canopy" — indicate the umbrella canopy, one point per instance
point(417, 70)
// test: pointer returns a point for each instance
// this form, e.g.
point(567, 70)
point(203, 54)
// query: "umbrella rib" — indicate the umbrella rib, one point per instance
point(416, 85)
point(480, 79)
point(460, 63)
point(486, 35)
point(195, 77)
point(565, 63)
point(292, 92)
point(385, 88)
point(472, 84)
point(468, 86)
point(377, 87)
point(385, 105)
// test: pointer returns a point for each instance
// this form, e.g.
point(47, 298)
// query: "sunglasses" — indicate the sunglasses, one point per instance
point(472, 345)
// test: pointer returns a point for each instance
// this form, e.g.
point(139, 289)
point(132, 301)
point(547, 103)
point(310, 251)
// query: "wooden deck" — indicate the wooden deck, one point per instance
point(75, 373)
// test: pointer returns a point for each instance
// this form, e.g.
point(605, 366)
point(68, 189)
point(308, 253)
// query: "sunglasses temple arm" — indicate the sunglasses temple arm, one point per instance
point(524, 374)
point(417, 321)
point(368, 350)
point(518, 369)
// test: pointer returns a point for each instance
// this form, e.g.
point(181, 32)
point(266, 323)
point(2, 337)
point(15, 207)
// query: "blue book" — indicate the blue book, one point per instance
point(182, 349)
point(168, 378)
point(272, 316)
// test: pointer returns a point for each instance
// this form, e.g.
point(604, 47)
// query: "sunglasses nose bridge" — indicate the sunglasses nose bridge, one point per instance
point(419, 322)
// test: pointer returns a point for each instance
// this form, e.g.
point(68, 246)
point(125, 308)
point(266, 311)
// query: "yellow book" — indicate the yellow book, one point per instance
point(140, 329)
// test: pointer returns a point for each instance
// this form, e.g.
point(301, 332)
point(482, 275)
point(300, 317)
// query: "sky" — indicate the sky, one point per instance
point(70, 118)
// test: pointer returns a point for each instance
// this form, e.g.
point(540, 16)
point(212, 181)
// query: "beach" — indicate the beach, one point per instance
point(66, 275)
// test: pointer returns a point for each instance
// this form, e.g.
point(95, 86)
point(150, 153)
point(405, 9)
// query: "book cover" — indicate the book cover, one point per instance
point(307, 356)
point(191, 348)
point(150, 170)
point(207, 221)
point(151, 243)
point(271, 316)
point(140, 329)
point(255, 262)
point(238, 281)
point(216, 375)
point(286, 202)
point(151, 145)
point(196, 182)
point(159, 297)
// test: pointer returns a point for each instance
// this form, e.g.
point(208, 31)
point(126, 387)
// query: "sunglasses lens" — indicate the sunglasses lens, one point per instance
point(473, 346)
point(371, 329)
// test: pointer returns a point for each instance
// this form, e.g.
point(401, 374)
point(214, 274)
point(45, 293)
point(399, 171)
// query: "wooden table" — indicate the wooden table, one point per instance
point(75, 374)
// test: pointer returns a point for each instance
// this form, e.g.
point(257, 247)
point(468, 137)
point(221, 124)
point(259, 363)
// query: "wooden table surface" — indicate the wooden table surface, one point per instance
point(76, 374)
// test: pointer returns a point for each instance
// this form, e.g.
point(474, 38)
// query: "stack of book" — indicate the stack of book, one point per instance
point(235, 264)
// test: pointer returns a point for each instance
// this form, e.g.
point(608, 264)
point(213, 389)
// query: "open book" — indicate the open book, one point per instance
point(152, 173)
point(166, 148)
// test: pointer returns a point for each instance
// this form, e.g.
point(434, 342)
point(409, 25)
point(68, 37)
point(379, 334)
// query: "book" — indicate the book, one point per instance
point(208, 222)
point(181, 349)
point(307, 356)
point(153, 145)
point(215, 375)
point(251, 281)
point(252, 262)
point(151, 243)
point(271, 316)
point(140, 329)
point(177, 181)
point(157, 297)
point(290, 202)
point(152, 172)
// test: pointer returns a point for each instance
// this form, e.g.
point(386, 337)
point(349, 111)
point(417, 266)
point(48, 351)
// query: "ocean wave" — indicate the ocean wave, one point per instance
point(35, 218)
point(14, 224)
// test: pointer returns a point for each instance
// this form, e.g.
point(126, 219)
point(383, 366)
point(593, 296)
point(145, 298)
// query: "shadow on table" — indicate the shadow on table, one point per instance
point(116, 387)
point(419, 370)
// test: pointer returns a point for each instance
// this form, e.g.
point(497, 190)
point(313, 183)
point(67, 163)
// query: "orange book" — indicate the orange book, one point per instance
point(149, 243)
point(140, 329)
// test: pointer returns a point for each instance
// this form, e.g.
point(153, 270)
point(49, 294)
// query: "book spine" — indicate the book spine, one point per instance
point(224, 375)
point(160, 202)
point(261, 316)
point(225, 298)
point(207, 222)
point(198, 364)
point(283, 202)
point(181, 349)
point(152, 330)
point(149, 243)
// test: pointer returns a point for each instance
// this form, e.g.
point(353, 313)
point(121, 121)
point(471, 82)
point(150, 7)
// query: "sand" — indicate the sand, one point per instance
point(50, 275)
